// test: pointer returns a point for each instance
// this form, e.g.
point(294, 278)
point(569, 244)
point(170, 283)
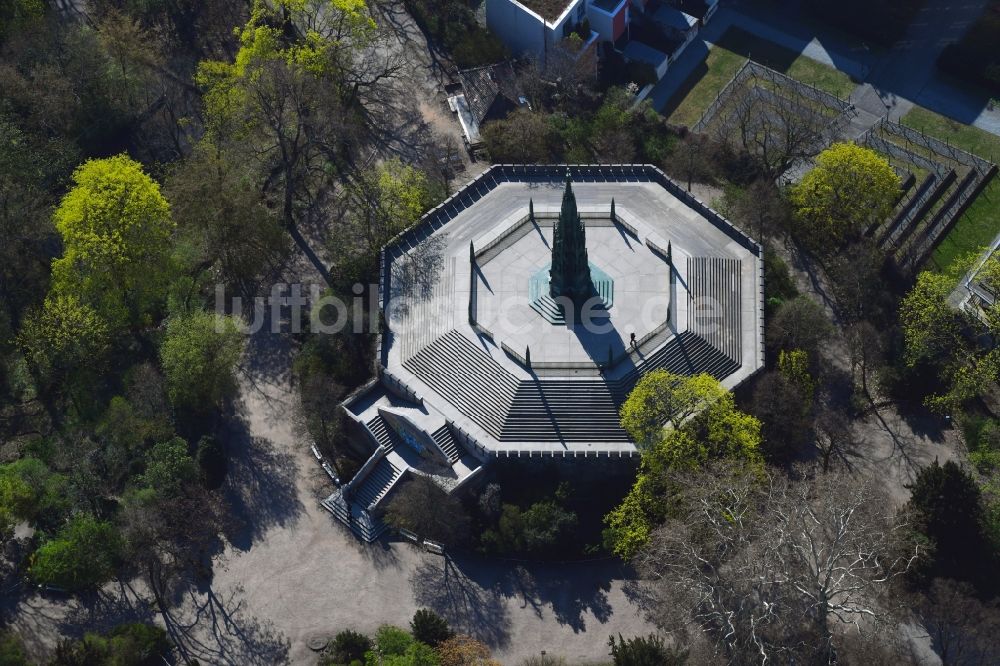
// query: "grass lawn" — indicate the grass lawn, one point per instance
point(981, 221)
point(726, 57)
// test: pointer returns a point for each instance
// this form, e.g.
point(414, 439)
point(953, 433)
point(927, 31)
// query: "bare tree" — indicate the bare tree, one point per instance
point(775, 126)
point(833, 438)
point(867, 350)
point(759, 207)
point(769, 567)
point(963, 630)
point(422, 507)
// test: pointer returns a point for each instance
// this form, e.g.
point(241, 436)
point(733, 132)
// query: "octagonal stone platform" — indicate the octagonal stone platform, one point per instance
point(462, 346)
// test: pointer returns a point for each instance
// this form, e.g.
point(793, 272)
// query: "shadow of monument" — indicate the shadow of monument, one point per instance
point(472, 593)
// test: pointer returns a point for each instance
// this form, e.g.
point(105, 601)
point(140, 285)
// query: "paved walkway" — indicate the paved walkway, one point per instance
point(892, 81)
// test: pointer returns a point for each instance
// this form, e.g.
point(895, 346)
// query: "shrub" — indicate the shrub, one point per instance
point(391, 640)
point(429, 627)
point(644, 651)
point(83, 554)
point(452, 25)
point(349, 646)
point(211, 461)
point(134, 644)
point(12, 651)
point(535, 530)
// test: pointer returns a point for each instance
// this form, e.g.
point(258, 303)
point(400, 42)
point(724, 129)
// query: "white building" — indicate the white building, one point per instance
point(532, 27)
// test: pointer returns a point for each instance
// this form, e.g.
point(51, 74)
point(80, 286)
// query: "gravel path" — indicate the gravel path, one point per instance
point(294, 573)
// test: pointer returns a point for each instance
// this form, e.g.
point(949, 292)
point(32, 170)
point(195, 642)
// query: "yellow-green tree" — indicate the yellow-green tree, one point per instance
point(62, 335)
point(849, 189)
point(662, 397)
point(704, 425)
point(116, 230)
point(288, 102)
point(386, 199)
point(933, 336)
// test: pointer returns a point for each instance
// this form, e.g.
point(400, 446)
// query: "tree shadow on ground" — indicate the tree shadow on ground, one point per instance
point(468, 607)
point(105, 609)
point(572, 591)
point(214, 629)
point(472, 593)
point(890, 439)
point(260, 485)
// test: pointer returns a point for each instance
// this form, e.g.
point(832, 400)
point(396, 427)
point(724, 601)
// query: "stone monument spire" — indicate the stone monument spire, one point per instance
point(570, 272)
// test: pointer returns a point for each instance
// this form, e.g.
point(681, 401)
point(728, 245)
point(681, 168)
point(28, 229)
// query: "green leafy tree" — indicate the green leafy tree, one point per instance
point(63, 335)
point(662, 397)
point(84, 553)
point(949, 508)
point(15, 501)
point(386, 199)
point(133, 644)
point(223, 218)
point(708, 427)
point(645, 651)
point(169, 467)
point(12, 650)
point(199, 356)
point(395, 647)
point(116, 230)
point(30, 491)
point(930, 326)
point(347, 647)
point(850, 188)
point(933, 336)
point(429, 627)
point(794, 366)
point(293, 97)
point(537, 529)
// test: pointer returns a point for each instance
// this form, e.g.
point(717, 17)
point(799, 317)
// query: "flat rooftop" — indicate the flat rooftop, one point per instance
point(550, 10)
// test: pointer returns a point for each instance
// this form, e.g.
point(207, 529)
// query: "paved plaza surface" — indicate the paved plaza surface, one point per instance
point(641, 277)
point(640, 297)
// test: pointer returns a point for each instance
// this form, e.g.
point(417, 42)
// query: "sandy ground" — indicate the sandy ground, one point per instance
point(300, 574)
point(889, 442)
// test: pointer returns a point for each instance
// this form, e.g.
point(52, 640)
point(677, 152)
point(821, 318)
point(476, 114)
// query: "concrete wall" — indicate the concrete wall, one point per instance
point(609, 25)
point(525, 32)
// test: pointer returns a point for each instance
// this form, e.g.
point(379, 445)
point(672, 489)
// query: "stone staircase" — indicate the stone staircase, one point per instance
point(468, 377)
point(587, 410)
point(376, 484)
point(564, 411)
point(363, 524)
point(715, 283)
point(446, 442)
point(384, 435)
